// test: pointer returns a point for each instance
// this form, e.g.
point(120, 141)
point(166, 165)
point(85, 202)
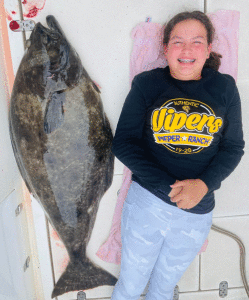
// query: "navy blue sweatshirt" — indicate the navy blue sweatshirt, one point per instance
point(171, 130)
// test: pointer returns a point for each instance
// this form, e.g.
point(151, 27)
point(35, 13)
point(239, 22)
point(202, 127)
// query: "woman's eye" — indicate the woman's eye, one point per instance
point(177, 43)
point(197, 42)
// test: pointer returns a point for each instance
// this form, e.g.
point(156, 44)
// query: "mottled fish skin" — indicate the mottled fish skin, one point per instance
point(62, 144)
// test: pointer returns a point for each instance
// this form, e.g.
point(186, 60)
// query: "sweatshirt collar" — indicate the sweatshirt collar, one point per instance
point(205, 75)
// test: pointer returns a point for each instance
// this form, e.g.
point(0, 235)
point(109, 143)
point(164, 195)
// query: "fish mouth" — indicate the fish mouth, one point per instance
point(49, 50)
point(54, 31)
point(52, 43)
point(54, 25)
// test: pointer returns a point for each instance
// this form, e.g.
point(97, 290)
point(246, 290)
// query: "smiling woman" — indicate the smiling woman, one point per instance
point(213, 60)
point(187, 50)
point(180, 133)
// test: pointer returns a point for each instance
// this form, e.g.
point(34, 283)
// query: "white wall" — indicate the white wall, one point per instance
point(100, 33)
point(8, 166)
point(16, 282)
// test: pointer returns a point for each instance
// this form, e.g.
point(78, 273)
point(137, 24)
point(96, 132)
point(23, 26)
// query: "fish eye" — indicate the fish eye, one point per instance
point(54, 36)
point(44, 39)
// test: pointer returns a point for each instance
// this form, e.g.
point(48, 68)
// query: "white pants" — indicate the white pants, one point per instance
point(159, 242)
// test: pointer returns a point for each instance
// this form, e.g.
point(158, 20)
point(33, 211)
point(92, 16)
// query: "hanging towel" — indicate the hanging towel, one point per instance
point(226, 42)
point(148, 54)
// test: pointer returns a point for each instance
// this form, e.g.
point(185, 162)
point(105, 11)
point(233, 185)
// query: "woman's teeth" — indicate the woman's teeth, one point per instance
point(186, 60)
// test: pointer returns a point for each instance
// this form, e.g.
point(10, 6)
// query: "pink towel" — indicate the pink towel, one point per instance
point(226, 24)
point(148, 54)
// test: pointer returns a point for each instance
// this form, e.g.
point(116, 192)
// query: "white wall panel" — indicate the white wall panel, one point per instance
point(233, 294)
point(8, 168)
point(43, 253)
point(15, 38)
point(15, 230)
point(16, 283)
point(232, 198)
point(236, 294)
point(190, 279)
point(221, 261)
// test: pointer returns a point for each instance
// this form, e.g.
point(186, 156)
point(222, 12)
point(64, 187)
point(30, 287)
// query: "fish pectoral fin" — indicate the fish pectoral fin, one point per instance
point(82, 276)
point(96, 87)
point(54, 114)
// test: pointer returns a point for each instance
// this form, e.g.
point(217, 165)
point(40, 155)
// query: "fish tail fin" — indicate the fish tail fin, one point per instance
point(82, 276)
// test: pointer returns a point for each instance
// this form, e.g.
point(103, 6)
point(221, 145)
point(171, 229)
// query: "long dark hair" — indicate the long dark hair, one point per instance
point(214, 60)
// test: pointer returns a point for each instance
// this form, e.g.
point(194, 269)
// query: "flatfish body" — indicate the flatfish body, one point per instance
point(62, 143)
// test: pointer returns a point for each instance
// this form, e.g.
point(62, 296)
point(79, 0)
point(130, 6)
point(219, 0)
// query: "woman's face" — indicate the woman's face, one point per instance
point(187, 50)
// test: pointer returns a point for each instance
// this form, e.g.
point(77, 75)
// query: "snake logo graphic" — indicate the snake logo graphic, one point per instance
point(184, 126)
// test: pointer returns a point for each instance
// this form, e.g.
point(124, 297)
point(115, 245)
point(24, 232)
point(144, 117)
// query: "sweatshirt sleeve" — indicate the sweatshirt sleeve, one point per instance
point(230, 149)
point(128, 145)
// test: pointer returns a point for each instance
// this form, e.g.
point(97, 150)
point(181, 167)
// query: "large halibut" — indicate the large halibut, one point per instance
point(62, 143)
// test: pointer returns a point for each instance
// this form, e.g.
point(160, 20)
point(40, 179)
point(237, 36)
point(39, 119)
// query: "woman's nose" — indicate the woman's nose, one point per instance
point(187, 46)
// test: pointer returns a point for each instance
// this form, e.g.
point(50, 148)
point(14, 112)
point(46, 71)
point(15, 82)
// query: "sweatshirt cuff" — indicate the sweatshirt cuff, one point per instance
point(164, 186)
point(210, 181)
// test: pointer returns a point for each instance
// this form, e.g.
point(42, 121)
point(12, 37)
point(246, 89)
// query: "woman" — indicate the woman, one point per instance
point(180, 133)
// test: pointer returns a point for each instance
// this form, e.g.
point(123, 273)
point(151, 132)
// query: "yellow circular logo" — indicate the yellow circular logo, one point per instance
point(184, 126)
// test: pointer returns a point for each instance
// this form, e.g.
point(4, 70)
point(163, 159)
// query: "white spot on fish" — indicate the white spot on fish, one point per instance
point(90, 209)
